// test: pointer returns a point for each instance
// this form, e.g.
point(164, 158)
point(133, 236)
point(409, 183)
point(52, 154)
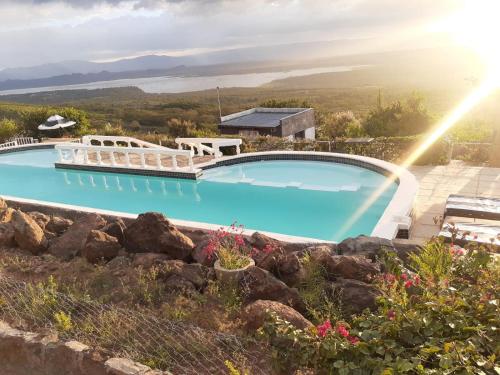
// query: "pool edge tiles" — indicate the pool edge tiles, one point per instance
point(395, 216)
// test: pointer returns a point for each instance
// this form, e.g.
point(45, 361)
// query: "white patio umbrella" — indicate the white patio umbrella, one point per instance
point(56, 122)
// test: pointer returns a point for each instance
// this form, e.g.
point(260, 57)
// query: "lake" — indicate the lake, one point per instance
point(157, 85)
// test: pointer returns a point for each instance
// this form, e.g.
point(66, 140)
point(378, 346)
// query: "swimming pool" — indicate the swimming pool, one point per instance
point(293, 197)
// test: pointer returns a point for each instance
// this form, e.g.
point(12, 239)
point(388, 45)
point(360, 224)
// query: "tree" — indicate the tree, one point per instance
point(399, 118)
point(290, 103)
point(8, 129)
point(341, 124)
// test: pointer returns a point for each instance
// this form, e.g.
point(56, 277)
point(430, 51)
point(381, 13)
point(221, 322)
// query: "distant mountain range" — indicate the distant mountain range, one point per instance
point(433, 63)
point(236, 61)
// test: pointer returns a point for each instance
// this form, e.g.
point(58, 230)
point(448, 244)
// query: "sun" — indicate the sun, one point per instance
point(476, 26)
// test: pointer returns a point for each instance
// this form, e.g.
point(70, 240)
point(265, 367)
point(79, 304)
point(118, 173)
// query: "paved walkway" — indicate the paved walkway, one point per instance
point(438, 182)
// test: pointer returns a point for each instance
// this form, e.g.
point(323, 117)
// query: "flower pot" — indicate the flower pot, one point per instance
point(231, 276)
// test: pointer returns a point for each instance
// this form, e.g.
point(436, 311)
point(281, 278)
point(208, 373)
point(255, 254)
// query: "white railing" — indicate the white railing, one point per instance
point(25, 141)
point(8, 145)
point(116, 141)
point(110, 156)
point(22, 141)
point(200, 145)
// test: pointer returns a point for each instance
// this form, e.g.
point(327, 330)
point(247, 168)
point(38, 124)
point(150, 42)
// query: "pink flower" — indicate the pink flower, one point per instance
point(416, 280)
point(342, 330)
point(239, 240)
point(268, 249)
point(389, 278)
point(324, 328)
point(353, 340)
point(391, 315)
point(404, 276)
point(408, 284)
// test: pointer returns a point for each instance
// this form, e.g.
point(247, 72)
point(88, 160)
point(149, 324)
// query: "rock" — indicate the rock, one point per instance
point(148, 260)
point(200, 256)
point(7, 235)
point(260, 241)
point(363, 245)
point(256, 313)
point(3, 204)
point(289, 269)
point(350, 267)
point(195, 273)
point(118, 262)
point(41, 219)
point(116, 229)
point(58, 225)
point(153, 233)
point(179, 284)
point(28, 234)
point(404, 248)
point(72, 242)
point(100, 246)
point(261, 284)
point(6, 214)
point(355, 295)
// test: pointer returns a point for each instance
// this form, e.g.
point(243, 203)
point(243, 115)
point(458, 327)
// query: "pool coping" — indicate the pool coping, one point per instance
point(396, 216)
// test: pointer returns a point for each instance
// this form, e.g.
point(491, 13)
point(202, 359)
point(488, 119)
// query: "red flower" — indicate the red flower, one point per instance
point(389, 278)
point(268, 249)
point(391, 314)
point(408, 284)
point(342, 330)
point(353, 340)
point(404, 276)
point(239, 240)
point(416, 280)
point(324, 328)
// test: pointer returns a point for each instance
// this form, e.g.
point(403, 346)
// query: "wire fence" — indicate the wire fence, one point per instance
point(160, 343)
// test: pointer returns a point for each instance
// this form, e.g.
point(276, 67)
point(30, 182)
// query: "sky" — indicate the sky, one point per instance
point(34, 32)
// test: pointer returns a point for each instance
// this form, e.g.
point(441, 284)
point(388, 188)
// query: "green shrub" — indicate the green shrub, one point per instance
point(443, 318)
point(8, 129)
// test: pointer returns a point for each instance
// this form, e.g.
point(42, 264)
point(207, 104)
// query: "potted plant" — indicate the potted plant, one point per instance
point(232, 253)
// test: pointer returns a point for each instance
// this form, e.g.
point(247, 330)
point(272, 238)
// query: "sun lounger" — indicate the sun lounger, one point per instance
point(472, 232)
point(476, 207)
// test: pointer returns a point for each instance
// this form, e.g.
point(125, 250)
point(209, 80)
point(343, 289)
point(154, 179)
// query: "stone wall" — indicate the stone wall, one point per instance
point(23, 353)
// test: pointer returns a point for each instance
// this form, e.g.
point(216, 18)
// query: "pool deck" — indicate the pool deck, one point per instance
point(438, 182)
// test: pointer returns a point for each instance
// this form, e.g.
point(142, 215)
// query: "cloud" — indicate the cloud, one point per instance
point(40, 31)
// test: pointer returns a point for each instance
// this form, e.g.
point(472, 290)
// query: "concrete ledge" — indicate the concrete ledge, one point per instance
point(23, 353)
point(123, 170)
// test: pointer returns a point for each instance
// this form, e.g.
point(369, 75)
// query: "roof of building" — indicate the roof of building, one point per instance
point(260, 117)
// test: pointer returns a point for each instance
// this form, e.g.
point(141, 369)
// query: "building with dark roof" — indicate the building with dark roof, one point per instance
point(291, 123)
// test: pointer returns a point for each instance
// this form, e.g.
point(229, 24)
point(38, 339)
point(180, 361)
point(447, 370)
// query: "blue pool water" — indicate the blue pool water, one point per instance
point(300, 198)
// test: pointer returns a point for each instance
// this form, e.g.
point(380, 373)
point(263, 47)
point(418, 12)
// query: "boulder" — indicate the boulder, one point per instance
point(404, 248)
point(363, 245)
point(58, 225)
point(153, 233)
point(6, 214)
point(41, 219)
point(28, 234)
point(289, 269)
point(179, 284)
point(7, 235)
point(116, 229)
point(355, 295)
point(195, 273)
point(257, 283)
point(350, 267)
point(73, 241)
point(256, 313)
point(100, 246)
point(148, 260)
point(119, 262)
point(200, 256)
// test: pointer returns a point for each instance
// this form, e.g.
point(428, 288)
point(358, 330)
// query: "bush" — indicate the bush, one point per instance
point(399, 118)
point(8, 129)
point(341, 124)
point(441, 317)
